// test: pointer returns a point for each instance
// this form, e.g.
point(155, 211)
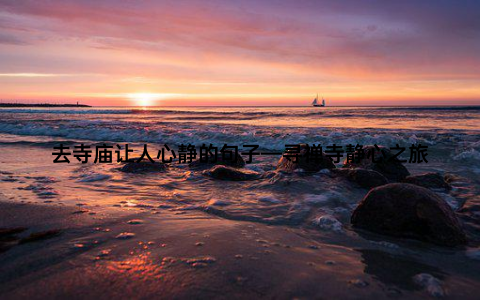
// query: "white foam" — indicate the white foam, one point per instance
point(467, 155)
point(329, 223)
point(324, 198)
point(316, 199)
point(136, 131)
point(386, 244)
point(431, 284)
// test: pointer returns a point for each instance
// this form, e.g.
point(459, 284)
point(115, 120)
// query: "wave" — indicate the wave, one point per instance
point(361, 112)
point(271, 138)
point(439, 108)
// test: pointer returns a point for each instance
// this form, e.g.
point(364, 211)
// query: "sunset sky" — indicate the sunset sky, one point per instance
point(240, 52)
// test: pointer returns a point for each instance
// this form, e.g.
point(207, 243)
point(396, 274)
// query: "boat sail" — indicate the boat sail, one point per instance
point(316, 104)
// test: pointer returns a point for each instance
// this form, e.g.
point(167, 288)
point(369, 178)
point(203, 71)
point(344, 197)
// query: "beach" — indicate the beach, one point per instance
point(182, 233)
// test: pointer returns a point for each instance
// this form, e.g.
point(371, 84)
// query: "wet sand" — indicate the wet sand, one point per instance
point(195, 255)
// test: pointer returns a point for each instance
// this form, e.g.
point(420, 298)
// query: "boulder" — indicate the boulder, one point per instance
point(429, 180)
point(385, 164)
point(238, 163)
point(303, 162)
point(407, 210)
point(229, 173)
point(143, 167)
point(363, 177)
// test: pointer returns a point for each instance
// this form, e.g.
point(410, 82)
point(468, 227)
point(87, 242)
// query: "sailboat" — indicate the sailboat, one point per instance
point(316, 104)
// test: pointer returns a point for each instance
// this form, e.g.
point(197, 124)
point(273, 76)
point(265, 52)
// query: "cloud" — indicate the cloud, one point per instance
point(297, 42)
point(375, 36)
point(8, 39)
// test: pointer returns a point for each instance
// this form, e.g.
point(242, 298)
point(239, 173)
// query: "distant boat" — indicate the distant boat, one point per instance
point(316, 104)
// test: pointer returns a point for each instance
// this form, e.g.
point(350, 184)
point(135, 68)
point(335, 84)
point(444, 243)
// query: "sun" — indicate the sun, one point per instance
point(151, 99)
point(144, 99)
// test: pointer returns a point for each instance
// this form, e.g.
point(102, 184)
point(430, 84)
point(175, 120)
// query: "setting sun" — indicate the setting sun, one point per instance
point(144, 99)
point(150, 99)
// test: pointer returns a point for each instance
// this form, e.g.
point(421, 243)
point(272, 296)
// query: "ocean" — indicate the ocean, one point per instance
point(317, 207)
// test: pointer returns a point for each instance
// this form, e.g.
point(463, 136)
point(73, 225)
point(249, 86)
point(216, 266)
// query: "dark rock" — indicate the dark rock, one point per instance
point(239, 163)
point(363, 177)
point(306, 164)
point(229, 173)
point(384, 163)
point(407, 210)
point(429, 180)
point(143, 167)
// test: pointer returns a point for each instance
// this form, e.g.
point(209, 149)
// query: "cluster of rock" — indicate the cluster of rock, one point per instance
point(398, 204)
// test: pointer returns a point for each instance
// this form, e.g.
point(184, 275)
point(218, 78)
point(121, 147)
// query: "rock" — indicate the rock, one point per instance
point(135, 222)
point(125, 236)
point(200, 262)
point(429, 180)
point(314, 164)
point(239, 163)
point(143, 167)
point(389, 167)
point(363, 177)
point(229, 173)
point(407, 210)
point(359, 283)
point(104, 253)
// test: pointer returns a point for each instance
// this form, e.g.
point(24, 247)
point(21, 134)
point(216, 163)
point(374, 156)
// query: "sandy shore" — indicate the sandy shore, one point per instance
point(194, 255)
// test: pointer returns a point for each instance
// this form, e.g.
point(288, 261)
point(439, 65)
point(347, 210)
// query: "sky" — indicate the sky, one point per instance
point(242, 52)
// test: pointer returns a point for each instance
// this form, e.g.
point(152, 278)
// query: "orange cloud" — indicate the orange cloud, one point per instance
point(274, 52)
